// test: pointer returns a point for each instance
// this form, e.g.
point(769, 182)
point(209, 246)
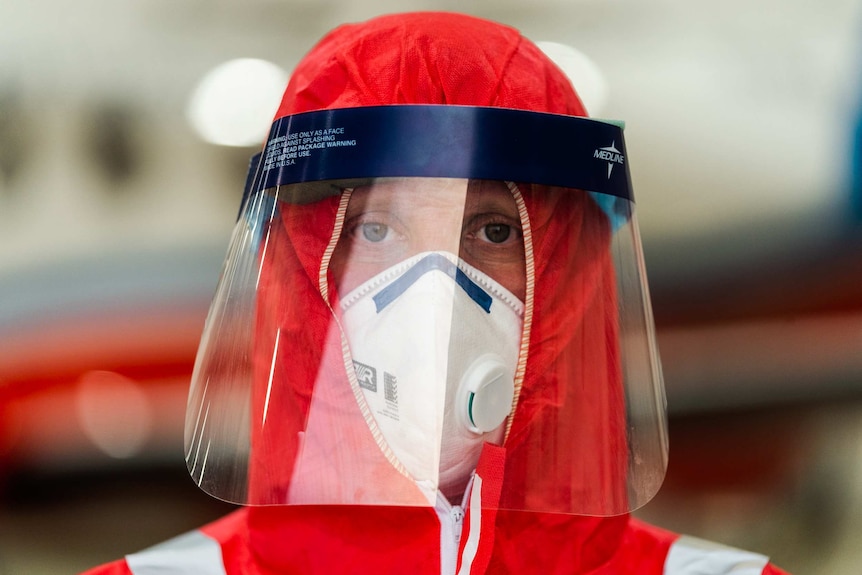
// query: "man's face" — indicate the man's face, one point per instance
point(435, 350)
point(390, 220)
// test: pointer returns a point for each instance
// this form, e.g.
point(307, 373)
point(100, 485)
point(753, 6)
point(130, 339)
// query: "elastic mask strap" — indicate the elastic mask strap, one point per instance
point(349, 369)
point(530, 270)
point(322, 283)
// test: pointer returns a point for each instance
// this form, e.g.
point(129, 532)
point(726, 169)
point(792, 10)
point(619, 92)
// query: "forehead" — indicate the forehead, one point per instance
point(418, 192)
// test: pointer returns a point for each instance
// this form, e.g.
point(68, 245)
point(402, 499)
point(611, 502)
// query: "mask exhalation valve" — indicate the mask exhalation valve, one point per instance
point(486, 392)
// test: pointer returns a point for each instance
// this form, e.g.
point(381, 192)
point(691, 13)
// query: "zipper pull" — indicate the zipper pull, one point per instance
point(457, 516)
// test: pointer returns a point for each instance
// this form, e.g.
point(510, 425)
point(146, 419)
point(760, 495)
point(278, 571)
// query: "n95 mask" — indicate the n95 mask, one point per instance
point(434, 344)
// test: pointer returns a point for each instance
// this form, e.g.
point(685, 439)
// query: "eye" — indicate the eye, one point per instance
point(496, 233)
point(494, 230)
point(374, 231)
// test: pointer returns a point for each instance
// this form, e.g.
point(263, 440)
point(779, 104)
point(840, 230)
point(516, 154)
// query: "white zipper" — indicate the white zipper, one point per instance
point(451, 520)
point(451, 526)
point(457, 517)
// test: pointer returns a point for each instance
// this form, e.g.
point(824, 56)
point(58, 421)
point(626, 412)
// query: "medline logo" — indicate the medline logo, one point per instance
point(611, 155)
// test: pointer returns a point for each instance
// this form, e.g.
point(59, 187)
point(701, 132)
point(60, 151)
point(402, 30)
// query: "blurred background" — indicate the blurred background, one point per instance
point(121, 170)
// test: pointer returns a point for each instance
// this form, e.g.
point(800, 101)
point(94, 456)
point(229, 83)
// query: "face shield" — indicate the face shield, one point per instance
point(412, 292)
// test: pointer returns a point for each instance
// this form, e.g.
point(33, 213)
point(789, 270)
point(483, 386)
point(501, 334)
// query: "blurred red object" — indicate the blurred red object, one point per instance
point(81, 391)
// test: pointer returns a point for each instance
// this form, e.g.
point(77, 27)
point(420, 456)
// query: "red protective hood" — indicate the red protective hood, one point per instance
point(428, 58)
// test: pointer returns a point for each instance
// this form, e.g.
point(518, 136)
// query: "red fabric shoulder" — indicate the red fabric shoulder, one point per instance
point(118, 567)
point(647, 546)
point(231, 532)
point(644, 547)
point(771, 569)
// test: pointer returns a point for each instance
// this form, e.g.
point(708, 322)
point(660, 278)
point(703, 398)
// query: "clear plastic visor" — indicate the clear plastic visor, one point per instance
point(391, 339)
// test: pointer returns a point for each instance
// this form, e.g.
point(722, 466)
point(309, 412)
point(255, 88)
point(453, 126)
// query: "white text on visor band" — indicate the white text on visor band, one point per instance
point(435, 344)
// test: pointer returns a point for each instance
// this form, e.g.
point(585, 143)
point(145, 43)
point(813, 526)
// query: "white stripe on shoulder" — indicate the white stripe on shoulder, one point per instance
point(193, 553)
point(692, 556)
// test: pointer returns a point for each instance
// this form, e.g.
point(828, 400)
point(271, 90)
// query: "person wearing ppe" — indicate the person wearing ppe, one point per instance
point(431, 349)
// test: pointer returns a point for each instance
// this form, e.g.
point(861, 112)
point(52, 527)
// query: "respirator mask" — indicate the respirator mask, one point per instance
point(449, 383)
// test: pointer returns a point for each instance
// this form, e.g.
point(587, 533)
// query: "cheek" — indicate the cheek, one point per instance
point(347, 274)
point(511, 275)
point(516, 282)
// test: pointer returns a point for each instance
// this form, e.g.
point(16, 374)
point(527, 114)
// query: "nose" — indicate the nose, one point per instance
point(436, 220)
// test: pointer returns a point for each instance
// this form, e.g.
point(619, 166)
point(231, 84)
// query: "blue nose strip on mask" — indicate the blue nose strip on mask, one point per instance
point(429, 263)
